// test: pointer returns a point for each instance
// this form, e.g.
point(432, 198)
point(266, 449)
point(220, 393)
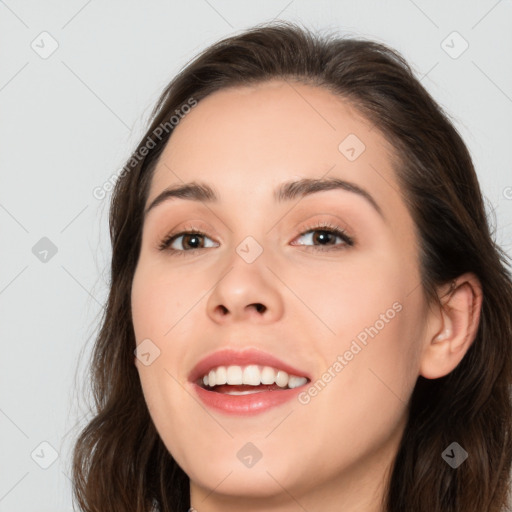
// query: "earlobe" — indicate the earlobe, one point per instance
point(459, 316)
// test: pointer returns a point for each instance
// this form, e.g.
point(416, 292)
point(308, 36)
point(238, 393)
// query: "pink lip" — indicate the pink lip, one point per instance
point(243, 404)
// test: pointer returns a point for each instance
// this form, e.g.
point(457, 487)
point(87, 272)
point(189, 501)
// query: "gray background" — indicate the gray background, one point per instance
point(68, 122)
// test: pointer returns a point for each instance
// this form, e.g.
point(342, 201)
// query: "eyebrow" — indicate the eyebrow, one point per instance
point(288, 191)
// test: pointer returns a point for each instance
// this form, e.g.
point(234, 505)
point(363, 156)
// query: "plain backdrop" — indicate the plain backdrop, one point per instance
point(77, 82)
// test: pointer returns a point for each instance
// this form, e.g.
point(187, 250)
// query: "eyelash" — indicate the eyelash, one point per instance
point(320, 226)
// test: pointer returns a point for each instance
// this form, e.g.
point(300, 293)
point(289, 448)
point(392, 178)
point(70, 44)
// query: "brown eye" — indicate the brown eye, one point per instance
point(325, 236)
point(191, 241)
point(188, 240)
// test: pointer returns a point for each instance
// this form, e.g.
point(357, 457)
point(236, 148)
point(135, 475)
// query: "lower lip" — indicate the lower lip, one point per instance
point(244, 405)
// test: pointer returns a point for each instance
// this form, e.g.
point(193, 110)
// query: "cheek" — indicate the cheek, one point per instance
point(371, 350)
point(161, 300)
point(363, 394)
point(354, 295)
point(373, 364)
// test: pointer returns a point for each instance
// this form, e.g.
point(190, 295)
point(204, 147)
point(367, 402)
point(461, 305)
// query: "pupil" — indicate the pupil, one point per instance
point(322, 234)
point(193, 237)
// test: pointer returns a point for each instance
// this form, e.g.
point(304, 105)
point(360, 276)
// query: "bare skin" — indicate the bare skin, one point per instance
point(336, 448)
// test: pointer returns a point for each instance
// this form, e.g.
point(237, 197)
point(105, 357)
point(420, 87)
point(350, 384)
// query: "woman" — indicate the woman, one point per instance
point(307, 310)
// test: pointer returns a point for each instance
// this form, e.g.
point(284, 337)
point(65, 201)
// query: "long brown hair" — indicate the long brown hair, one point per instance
point(119, 461)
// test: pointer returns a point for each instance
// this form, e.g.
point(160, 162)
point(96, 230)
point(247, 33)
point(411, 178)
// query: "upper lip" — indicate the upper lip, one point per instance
point(229, 357)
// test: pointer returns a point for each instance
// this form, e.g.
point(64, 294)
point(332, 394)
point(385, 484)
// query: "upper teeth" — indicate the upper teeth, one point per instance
point(252, 375)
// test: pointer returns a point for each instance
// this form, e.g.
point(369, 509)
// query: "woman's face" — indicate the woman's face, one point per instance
point(344, 311)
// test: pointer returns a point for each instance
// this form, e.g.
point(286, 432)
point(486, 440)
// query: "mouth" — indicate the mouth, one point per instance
point(245, 380)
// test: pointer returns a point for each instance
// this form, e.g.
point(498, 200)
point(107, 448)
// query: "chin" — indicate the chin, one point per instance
point(229, 476)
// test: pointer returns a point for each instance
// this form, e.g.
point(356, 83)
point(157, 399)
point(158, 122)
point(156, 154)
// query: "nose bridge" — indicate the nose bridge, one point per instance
point(247, 264)
point(250, 249)
point(255, 241)
point(250, 228)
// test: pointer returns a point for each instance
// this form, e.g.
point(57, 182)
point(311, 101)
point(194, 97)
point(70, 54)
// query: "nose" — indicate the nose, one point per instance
point(247, 292)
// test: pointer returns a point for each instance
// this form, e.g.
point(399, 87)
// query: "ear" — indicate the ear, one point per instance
point(454, 325)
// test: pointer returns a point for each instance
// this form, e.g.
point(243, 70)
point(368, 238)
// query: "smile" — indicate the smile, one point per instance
point(235, 380)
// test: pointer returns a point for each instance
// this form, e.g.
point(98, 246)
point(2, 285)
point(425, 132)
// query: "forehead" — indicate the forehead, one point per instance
point(251, 138)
